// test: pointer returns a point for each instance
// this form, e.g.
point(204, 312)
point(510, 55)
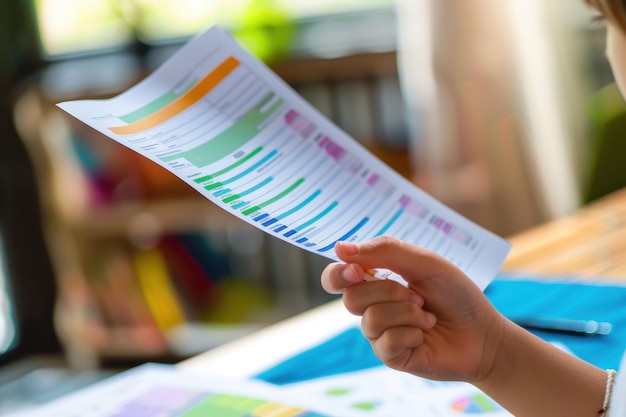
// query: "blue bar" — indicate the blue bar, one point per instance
point(256, 187)
point(222, 192)
point(270, 222)
point(240, 205)
point(280, 228)
point(252, 168)
point(290, 233)
point(319, 216)
point(261, 217)
point(347, 235)
point(304, 239)
point(390, 222)
point(299, 206)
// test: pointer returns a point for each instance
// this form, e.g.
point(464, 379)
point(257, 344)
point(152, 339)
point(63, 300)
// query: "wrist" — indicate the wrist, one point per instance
point(495, 367)
point(531, 377)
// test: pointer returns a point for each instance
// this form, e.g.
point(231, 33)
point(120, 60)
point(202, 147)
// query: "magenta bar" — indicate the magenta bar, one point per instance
point(323, 141)
point(335, 151)
point(439, 223)
point(372, 179)
point(290, 116)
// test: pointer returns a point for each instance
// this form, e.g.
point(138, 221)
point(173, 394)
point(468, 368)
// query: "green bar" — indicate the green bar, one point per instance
point(155, 105)
point(237, 135)
point(231, 198)
point(484, 403)
point(188, 87)
point(224, 405)
point(150, 108)
point(230, 167)
point(214, 185)
point(251, 210)
point(275, 198)
point(203, 179)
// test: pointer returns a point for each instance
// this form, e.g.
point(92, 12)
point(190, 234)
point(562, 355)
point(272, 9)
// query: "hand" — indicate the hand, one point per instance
point(441, 327)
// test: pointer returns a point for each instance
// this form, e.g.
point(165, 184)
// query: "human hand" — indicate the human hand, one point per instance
point(439, 327)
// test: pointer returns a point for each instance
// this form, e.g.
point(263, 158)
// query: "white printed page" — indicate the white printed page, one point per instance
point(162, 390)
point(384, 392)
point(224, 123)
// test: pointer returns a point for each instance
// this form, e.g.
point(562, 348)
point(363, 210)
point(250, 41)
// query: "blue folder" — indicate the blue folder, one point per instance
point(513, 296)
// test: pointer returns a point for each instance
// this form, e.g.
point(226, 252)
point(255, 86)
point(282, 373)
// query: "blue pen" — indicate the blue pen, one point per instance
point(582, 327)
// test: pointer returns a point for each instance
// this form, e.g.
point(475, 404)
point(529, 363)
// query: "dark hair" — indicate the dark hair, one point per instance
point(613, 10)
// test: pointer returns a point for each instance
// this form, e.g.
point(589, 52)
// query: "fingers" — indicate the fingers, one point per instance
point(378, 318)
point(413, 263)
point(394, 346)
point(393, 319)
point(336, 277)
point(394, 329)
point(362, 296)
point(359, 295)
point(387, 305)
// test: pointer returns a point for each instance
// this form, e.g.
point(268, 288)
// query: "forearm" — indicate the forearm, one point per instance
point(532, 378)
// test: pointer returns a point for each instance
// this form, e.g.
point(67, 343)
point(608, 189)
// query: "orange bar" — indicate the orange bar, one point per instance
point(181, 104)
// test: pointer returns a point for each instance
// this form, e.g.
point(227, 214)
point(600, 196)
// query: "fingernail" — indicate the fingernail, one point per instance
point(349, 275)
point(350, 248)
point(431, 319)
point(416, 299)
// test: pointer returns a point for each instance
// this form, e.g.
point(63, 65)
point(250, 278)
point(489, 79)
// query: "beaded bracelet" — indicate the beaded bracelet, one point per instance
point(610, 381)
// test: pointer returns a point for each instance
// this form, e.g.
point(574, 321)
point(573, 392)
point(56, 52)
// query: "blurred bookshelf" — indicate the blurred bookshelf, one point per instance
point(146, 268)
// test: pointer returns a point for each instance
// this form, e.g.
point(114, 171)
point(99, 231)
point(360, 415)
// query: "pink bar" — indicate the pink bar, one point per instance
point(290, 116)
point(460, 236)
point(404, 201)
point(439, 223)
point(323, 141)
point(299, 124)
point(310, 128)
point(335, 151)
point(372, 179)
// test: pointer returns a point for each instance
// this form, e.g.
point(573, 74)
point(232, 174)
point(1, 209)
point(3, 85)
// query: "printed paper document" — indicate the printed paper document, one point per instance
point(224, 123)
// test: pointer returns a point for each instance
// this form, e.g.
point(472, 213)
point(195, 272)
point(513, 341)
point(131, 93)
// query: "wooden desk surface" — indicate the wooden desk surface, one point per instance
point(590, 243)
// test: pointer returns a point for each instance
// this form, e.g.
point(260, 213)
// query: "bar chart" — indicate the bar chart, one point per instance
point(225, 124)
point(178, 402)
point(158, 390)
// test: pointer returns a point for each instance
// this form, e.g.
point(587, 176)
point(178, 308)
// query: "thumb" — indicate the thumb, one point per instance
point(412, 262)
